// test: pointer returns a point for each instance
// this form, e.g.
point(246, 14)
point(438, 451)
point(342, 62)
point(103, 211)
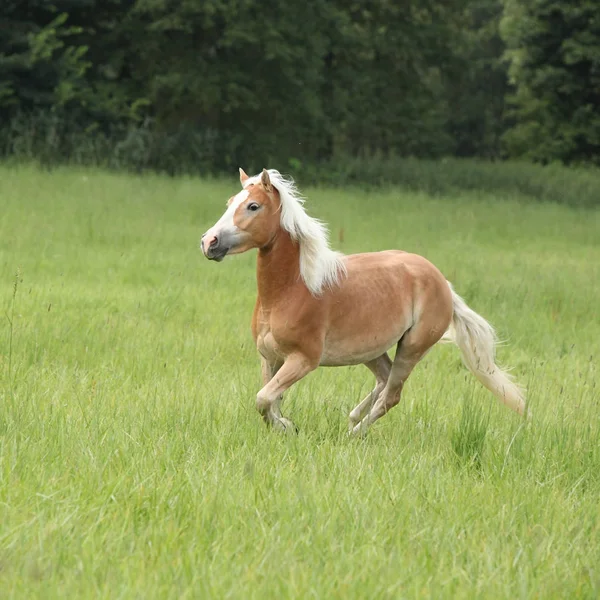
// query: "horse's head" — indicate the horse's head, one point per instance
point(251, 220)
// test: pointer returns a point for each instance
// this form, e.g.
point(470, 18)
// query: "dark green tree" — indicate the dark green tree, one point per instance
point(553, 49)
point(39, 67)
point(476, 82)
point(383, 84)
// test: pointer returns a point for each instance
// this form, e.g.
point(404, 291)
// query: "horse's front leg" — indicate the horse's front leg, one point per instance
point(269, 369)
point(268, 400)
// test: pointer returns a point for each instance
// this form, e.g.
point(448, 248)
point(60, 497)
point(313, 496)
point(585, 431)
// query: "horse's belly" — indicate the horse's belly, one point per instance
point(359, 349)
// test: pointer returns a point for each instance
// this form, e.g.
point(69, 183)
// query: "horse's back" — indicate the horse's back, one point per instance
point(416, 280)
point(397, 264)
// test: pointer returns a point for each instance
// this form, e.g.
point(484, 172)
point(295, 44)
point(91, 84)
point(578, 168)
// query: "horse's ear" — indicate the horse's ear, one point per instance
point(266, 181)
point(243, 176)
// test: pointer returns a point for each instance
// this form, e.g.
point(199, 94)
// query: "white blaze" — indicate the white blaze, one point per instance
point(226, 221)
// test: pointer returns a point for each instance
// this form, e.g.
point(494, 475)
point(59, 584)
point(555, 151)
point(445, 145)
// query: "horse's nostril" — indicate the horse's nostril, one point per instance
point(214, 241)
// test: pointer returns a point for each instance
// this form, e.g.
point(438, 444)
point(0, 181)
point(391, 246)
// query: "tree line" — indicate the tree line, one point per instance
point(205, 85)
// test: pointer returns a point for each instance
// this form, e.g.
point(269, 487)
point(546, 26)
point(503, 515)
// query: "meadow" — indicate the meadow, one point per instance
point(133, 463)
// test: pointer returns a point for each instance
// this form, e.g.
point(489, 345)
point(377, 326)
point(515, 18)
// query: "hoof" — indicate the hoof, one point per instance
point(359, 430)
point(283, 424)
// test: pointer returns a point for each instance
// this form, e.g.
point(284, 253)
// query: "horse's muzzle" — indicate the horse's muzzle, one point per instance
point(214, 248)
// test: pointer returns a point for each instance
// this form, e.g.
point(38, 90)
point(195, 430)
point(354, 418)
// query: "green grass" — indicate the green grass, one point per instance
point(133, 463)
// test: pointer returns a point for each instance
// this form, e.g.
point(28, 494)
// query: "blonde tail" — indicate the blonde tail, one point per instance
point(477, 341)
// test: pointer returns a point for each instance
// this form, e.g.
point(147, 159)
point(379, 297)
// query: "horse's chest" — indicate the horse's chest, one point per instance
point(281, 331)
point(268, 343)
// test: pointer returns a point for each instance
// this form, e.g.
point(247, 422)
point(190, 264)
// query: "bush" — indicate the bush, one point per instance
point(48, 139)
point(550, 183)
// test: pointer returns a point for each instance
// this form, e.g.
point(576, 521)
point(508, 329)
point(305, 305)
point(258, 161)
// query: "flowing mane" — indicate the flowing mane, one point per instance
point(320, 266)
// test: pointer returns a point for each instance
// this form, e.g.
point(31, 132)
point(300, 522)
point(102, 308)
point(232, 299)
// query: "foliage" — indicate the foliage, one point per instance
point(477, 83)
point(203, 86)
point(286, 80)
point(39, 64)
point(553, 49)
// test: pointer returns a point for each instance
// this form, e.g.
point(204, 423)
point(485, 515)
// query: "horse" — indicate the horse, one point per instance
point(316, 307)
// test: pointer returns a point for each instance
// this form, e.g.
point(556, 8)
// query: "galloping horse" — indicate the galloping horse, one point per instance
point(316, 307)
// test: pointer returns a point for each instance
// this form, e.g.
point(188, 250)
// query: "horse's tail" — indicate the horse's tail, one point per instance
point(477, 341)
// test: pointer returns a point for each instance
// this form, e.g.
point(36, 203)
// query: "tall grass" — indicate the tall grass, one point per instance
point(132, 460)
point(468, 439)
point(10, 316)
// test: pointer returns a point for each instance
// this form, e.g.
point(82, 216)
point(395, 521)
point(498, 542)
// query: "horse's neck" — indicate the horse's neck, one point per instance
point(278, 269)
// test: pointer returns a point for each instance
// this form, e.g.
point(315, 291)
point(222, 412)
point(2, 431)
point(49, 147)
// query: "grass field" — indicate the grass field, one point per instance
point(133, 463)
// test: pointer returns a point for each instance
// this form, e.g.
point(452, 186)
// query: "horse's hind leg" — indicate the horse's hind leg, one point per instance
point(415, 343)
point(380, 367)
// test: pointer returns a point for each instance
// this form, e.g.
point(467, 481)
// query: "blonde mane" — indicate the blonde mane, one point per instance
point(320, 266)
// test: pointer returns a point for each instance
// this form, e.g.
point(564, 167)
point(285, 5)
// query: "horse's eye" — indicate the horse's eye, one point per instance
point(253, 206)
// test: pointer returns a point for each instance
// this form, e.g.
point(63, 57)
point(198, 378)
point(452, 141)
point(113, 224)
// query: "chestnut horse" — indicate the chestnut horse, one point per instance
point(317, 307)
